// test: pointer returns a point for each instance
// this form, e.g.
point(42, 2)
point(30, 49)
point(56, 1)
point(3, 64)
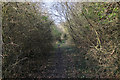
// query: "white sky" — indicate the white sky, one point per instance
point(53, 12)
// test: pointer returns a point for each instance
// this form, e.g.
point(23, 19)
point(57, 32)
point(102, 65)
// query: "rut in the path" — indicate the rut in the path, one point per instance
point(56, 66)
point(59, 64)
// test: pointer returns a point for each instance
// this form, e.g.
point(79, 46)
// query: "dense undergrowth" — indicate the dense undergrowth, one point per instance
point(94, 28)
point(30, 36)
point(27, 38)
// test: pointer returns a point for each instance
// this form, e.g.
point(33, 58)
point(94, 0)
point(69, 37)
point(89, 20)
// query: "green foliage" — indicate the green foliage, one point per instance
point(95, 31)
point(56, 33)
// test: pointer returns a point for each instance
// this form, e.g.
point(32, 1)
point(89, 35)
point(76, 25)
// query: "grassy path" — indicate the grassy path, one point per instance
point(65, 63)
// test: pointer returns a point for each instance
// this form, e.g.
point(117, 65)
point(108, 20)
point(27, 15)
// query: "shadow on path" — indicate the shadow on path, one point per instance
point(65, 63)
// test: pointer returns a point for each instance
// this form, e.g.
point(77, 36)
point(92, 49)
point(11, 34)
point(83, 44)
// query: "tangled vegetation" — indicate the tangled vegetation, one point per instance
point(94, 28)
point(30, 37)
point(26, 37)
